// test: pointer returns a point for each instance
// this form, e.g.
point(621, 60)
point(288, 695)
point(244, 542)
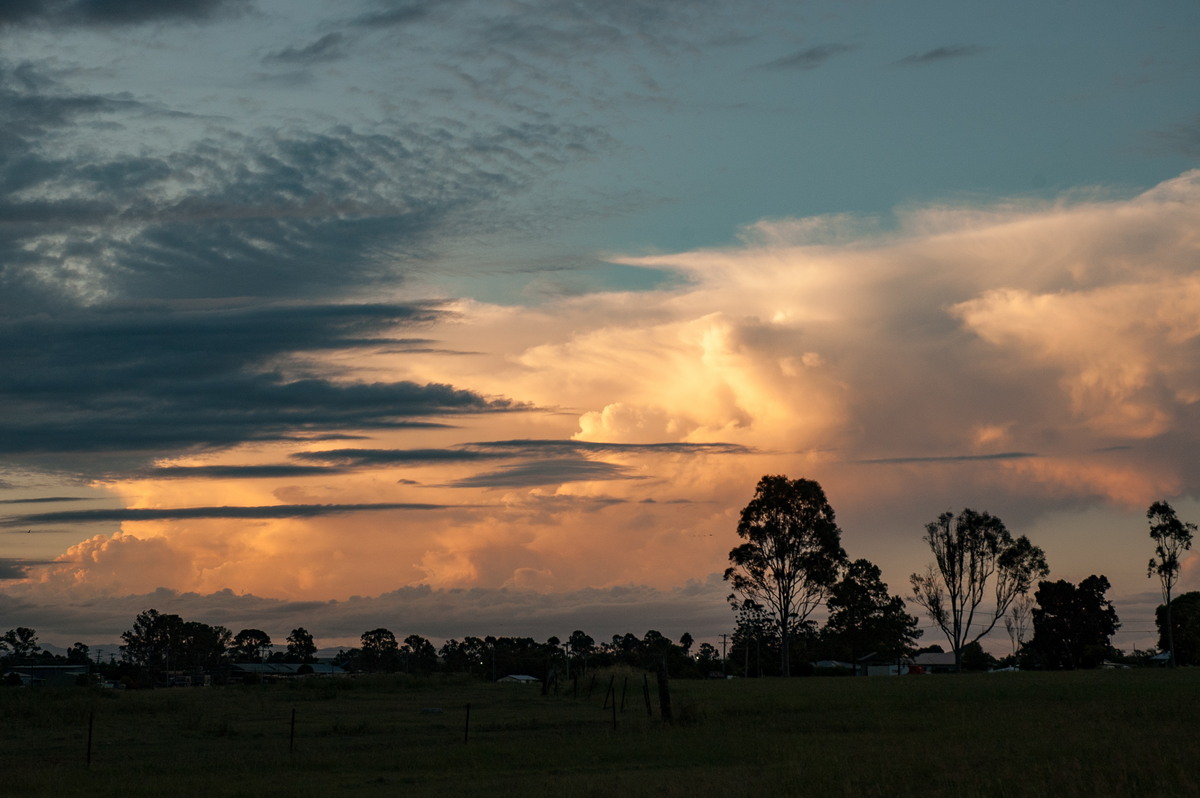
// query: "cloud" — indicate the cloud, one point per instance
point(272, 471)
point(939, 54)
point(810, 57)
point(1182, 139)
point(226, 214)
point(157, 378)
point(953, 458)
point(330, 47)
point(494, 450)
point(182, 513)
point(17, 568)
point(547, 472)
point(118, 12)
point(46, 499)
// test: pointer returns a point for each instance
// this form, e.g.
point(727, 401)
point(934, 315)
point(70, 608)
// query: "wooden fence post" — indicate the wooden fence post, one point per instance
point(664, 691)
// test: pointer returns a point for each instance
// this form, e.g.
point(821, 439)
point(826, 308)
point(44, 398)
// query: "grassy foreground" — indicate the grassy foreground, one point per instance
point(1092, 733)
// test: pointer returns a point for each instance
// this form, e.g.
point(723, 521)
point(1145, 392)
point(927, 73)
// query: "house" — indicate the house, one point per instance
point(875, 665)
point(933, 662)
point(519, 679)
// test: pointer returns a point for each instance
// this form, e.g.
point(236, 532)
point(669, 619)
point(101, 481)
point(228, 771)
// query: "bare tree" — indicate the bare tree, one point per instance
point(1017, 621)
point(970, 552)
point(1171, 537)
point(792, 555)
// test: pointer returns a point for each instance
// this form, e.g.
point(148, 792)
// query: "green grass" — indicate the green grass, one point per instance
point(1021, 734)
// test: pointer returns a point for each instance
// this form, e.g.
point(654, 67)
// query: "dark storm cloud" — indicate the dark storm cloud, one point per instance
point(387, 457)
point(240, 472)
point(117, 12)
point(940, 54)
point(330, 47)
point(16, 568)
point(155, 378)
point(956, 458)
point(47, 500)
point(809, 58)
point(186, 513)
point(503, 450)
point(533, 445)
point(546, 472)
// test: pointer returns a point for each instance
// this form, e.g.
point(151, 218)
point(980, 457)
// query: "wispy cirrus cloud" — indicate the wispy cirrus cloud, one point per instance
point(809, 57)
point(330, 47)
point(939, 54)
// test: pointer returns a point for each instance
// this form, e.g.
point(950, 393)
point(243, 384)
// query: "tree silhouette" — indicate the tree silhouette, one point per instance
point(1072, 625)
point(300, 646)
point(970, 551)
point(251, 645)
point(379, 649)
point(1183, 636)
point(864, 618)
point(1171, 537)
point(791, 556)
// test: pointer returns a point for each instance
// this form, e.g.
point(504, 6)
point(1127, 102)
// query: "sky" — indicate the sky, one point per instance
point(467, 318)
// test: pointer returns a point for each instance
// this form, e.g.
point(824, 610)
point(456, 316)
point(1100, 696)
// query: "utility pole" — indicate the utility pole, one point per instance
point(723, 673)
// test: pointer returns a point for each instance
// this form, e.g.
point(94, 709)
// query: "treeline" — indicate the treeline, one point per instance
point(792, 562)
point(159, 645)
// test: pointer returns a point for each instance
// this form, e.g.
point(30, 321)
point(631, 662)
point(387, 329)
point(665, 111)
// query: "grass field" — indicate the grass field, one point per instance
point(1095, 733)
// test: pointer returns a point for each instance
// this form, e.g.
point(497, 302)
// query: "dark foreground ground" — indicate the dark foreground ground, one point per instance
point(1097, 733)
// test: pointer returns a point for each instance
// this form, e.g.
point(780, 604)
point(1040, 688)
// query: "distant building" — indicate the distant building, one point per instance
point(50, 675)
point(519, 679)
point(275, 670)
point(933, 662)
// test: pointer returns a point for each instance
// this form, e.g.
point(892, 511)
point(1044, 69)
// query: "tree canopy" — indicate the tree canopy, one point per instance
point(865, 619)
point(792, 554)
point(1183, 636)
point(971, 551)
point(1072, 625)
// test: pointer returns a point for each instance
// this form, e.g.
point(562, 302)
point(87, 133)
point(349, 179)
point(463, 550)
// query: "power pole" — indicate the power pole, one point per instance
point(723, 673)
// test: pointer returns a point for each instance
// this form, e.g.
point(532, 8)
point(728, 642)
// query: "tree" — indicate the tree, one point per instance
point(1016, 620)
point(1171, 537)
point(152, 643)
point(1072, 625)
point(251, 645)
point(21, 642)
point(79, 654)
point(970, 551)
point(300, 646)
point(419, 654)
point(1182, 638)
point(379, 650)
point(791, 556)
point(202, 646)
point(580, 644)
point(864, 618)
point(753, 629)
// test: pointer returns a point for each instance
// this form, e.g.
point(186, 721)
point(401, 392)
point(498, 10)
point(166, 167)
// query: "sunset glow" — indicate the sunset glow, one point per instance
point(503, 346)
